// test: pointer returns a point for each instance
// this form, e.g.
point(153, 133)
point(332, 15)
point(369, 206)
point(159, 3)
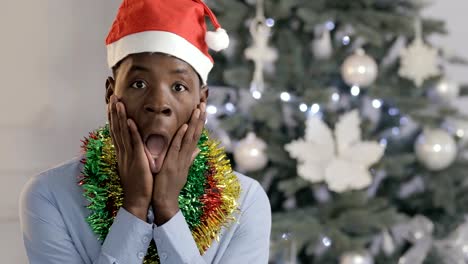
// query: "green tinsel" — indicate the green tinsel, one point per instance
point(96, 186)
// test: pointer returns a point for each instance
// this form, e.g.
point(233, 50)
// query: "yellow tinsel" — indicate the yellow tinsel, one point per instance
point(226, 181)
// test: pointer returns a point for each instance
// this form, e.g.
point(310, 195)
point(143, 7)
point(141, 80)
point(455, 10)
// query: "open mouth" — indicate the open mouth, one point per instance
point(156, 148)
point(155, 145)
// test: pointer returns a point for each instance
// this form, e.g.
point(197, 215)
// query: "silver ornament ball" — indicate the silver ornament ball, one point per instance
point(445, 90)
point(249, 154)
point(359, 69)
point(435, 149)
point(358, 257)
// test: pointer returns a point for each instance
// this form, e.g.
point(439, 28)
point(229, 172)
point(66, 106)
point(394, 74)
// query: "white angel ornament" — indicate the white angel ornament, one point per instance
point(341, 159)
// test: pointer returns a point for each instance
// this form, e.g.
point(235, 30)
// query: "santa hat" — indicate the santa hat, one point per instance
point(174, 27)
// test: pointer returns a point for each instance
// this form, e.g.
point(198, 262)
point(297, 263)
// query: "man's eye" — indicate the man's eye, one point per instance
point(179, 88)
point(139, 85)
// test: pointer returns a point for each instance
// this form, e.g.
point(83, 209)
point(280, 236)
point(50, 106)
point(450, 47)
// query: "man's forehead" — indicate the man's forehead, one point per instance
point(155, 61)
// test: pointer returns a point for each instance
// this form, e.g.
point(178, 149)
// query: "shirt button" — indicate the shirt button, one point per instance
point(158, 241)
point(163, 255)
point(141, 255)
point(145, 239)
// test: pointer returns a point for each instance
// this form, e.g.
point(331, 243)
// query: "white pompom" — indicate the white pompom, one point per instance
point(217, 40)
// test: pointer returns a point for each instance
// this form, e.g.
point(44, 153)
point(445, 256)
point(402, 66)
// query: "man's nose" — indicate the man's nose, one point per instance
point(158, 103)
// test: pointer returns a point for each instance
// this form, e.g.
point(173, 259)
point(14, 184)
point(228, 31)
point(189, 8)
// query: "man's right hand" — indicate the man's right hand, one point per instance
point(134, 170)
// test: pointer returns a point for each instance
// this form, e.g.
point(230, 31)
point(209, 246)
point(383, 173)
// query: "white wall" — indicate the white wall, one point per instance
point(454, 13)
point(52, 75)
point(52, 89)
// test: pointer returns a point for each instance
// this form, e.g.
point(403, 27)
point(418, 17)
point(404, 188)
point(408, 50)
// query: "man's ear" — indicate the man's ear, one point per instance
point(204, 93)
point(110, 84)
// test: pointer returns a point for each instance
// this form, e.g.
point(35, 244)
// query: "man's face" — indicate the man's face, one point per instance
point(159, 92)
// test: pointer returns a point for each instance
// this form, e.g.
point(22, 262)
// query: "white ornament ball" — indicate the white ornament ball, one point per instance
point(446, 90)
point(356, 258)
point(359, 69)
point(249, 154)
point(436, 149)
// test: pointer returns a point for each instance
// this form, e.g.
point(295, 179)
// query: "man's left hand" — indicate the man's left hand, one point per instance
point(173, 174)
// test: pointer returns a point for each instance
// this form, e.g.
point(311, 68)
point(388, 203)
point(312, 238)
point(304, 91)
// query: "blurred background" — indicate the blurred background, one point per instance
point(318, 61)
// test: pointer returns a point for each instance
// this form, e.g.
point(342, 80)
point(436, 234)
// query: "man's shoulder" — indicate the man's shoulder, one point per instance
point(59, 179)
point(246, 182)
point(251, 191)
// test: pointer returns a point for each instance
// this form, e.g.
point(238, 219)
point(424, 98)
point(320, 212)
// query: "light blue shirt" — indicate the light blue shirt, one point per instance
point(53, 211)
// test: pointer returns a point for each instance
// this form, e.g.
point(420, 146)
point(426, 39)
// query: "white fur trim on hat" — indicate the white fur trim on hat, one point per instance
point(217, 40)
point(160, 41)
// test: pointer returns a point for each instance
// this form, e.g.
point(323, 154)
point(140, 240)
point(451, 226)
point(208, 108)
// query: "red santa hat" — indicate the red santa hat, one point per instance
point(174, 27)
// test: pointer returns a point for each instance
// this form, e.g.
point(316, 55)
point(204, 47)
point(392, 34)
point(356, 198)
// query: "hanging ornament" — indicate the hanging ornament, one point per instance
point(418, 60)
point(359, 69)
point(249, 154)
point(322, 46)
point(436, 149)
point(342, 160)
point(445, 91)
point(259, 52)
point(358, 257)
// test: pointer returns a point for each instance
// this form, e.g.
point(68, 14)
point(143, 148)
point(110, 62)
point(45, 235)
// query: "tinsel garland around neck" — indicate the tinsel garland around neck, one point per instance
point(207, 201)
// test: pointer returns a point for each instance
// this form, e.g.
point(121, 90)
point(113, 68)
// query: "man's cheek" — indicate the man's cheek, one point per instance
point(192, 109)
point(132, 113)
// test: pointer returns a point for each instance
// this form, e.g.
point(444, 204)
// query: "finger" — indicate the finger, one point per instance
point(114, 125)
point(177, 142)
point(137, 143)
point(201, 122)
point(150, 159)
point(135, 137)
point(187, 142)
point(126, 141)
point(120, 126)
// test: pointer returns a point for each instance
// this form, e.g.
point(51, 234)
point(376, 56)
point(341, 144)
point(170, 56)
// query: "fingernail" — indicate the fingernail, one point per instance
point(197, 113)
point(128, 122)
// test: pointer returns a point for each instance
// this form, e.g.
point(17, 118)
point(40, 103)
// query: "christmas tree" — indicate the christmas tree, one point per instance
point(343, 111)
